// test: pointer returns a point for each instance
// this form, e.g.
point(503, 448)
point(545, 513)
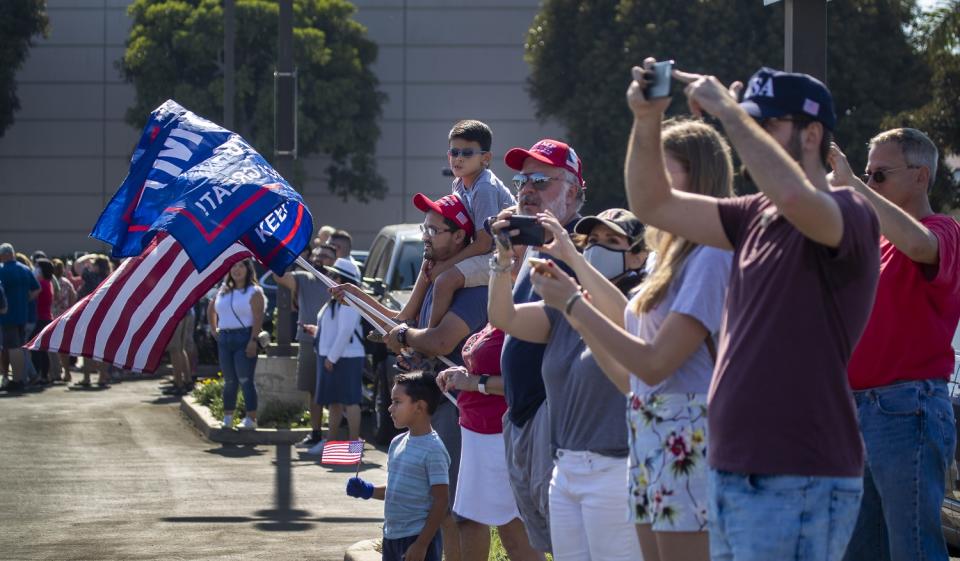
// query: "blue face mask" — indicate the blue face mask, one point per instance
point(611, 263)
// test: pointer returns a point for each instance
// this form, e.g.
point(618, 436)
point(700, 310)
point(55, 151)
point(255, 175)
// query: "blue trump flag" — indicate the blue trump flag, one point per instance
point(208, 188)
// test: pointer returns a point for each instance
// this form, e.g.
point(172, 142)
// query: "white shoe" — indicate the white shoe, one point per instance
point(227, 422)
point(317, 449)
point(247, 424)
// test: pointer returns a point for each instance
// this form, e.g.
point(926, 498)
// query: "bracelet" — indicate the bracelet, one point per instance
point(402, 335)
point(571, 301)
point(496, 267)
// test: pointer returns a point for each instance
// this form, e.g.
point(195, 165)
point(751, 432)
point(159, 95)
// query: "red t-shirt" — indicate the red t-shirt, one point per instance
point(45, 301)
point(481, 355)
point(914, 316)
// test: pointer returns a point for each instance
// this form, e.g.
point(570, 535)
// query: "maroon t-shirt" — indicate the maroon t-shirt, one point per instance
point(481, 355)
point(779, 399)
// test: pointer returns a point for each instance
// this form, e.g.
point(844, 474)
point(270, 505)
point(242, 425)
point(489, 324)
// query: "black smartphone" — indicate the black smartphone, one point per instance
point(530, 231)
point(658, 80)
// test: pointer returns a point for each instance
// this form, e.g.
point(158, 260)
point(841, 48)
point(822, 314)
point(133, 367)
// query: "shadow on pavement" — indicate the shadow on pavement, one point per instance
point(234, 451)
point(283, 518)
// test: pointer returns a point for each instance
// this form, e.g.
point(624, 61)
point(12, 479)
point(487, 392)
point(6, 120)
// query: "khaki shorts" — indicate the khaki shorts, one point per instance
point(307, 366)
point(530, 465)
point(475, 271)
point(183, 332)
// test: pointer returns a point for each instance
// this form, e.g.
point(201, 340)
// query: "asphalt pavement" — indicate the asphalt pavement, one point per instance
point(119, 474)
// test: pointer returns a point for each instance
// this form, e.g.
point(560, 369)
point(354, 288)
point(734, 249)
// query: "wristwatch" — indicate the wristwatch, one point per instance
point(402, 335)
point(482, 384)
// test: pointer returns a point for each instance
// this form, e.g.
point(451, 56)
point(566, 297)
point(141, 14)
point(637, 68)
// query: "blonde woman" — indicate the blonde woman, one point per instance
point(236, 317)
point(661, 350)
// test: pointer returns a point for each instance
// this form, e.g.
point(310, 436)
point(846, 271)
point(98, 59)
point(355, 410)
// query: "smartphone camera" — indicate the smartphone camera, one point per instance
point(530, 232)
point(658, 80)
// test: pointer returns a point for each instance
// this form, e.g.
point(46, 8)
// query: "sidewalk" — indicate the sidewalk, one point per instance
point(118, 474)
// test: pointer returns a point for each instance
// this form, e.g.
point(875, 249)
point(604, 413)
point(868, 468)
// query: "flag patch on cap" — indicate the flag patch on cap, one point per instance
point(811, 107)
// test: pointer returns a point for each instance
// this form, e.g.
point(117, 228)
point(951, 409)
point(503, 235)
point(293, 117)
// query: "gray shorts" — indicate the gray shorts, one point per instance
point(530, 465)
point(307, 366)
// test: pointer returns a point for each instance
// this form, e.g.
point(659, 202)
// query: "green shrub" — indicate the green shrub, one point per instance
point(209, 393)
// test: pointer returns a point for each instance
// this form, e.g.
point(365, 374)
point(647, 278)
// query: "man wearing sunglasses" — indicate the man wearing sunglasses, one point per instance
point(550, 178)
point(784, 447)
point(900, 367)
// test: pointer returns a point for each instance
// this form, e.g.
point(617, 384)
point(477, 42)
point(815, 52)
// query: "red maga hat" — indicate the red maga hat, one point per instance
point(551, 152)
point(449, 206)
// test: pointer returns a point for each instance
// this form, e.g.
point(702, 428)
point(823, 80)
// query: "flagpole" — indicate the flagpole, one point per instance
point(354, 300)
point(360, 461)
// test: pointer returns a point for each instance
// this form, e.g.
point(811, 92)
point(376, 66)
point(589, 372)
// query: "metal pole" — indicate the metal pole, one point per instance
point(285, 149)
point(229, 64)
point(805, 37)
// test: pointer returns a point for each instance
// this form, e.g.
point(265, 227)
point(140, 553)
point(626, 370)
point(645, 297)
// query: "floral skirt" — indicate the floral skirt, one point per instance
point(668, 461)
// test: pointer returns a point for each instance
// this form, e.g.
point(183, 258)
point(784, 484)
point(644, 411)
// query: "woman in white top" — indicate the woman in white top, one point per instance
point(340, 356)
point(660, 350)
point(236, 317)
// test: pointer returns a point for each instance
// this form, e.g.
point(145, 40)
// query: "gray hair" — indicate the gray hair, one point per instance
point(917, 148)
point(571, 179)
point(7, 249)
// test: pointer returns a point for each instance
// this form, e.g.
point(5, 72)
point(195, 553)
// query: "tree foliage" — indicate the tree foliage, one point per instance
point(20, 22)
point(175, 50)
point(581, 51)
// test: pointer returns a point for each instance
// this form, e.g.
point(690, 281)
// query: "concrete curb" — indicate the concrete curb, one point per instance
point(210, 428)
point(363, 551)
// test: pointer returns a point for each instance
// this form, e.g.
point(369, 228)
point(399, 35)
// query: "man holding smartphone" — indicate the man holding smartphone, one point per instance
point(784, 446)
point(550, 178)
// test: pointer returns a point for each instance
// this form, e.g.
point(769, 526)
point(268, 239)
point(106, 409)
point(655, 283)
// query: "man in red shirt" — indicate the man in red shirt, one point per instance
point(900, 367)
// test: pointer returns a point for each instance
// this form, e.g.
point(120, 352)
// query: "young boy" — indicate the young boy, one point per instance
point(417, 489)
point(484, 195)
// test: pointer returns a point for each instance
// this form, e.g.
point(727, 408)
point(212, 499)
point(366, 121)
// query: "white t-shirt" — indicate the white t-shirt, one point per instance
point(233, 308)
point(698, 290)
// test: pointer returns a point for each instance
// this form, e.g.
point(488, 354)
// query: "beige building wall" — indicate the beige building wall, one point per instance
point(439, 61)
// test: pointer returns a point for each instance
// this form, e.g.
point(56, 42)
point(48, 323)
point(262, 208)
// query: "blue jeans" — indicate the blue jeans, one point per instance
point(910, 435)
point(237, 368)
point(781, 517)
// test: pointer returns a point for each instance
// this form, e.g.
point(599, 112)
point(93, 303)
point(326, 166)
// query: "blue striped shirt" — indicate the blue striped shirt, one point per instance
point(414, 464)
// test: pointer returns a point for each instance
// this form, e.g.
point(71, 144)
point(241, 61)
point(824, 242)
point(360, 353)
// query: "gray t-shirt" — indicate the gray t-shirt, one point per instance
point(486, 198)
point(414, 465)
point(586, 409)
point(698, 290)
point(312, 294)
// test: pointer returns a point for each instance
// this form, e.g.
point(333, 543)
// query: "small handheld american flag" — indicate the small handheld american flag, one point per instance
point(342, 452)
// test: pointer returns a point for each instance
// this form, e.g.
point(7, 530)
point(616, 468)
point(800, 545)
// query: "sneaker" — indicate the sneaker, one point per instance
point(13, 386)
point(317, 449)
point(310, 440)
point(247, 424)
point(227, 422)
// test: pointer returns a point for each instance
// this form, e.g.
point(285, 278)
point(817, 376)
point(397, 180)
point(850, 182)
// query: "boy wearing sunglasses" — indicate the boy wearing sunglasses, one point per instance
point(483, 195)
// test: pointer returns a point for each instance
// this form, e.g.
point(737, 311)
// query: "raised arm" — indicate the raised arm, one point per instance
point(649, 194)
point(525, 321)
point(651, 361)
point(603, 294)
point(288, 281)
point(905, 232)
point(810, 209)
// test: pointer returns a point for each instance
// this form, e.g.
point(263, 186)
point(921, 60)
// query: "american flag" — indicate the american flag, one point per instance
point(129, 319)
point(342, 452)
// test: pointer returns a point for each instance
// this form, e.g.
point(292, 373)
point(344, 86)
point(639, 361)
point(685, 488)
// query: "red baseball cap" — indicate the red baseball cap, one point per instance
point(449, 206)
point(551, 152)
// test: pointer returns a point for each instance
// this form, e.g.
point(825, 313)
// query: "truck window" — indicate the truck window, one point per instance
point(384, 265)
point(376, 255)
point(408, 265)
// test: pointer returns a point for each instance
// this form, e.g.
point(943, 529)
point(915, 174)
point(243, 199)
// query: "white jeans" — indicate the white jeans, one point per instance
point(589, 508)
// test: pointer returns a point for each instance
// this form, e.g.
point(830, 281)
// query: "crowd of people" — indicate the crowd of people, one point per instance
point(699, 376)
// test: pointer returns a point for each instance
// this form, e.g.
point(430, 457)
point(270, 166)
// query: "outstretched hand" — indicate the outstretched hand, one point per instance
point(561, 246)
point(706, 94)
point(553, 285)
point(842, 174)
point(638, 103)
point(359, 488)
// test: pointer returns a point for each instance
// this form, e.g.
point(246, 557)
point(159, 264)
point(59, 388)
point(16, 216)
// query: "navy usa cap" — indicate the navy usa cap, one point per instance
point(773, 93)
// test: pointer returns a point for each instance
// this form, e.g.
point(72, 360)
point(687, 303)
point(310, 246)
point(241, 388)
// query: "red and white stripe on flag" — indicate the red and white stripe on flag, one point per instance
point(129, 319)
point(342, 452)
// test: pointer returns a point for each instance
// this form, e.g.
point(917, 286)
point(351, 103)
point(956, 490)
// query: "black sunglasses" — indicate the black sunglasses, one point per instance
point(465, 152)
point(880, 175)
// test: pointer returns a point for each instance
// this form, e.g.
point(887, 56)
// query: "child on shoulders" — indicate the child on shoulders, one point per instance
point(484, 195)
